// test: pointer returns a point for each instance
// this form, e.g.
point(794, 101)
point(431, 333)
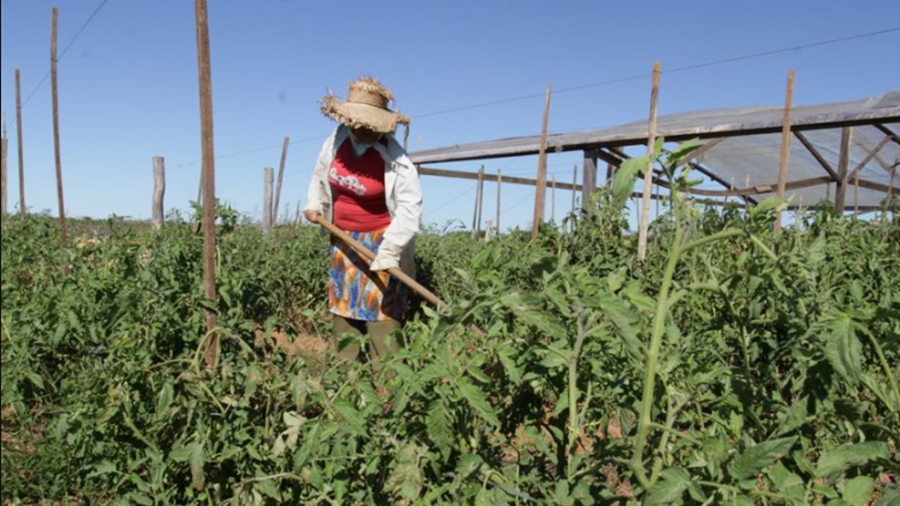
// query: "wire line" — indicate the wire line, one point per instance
point(673, 71)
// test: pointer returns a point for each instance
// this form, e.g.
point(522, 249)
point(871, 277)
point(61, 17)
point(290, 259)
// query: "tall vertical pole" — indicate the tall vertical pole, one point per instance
point(479, 199)
point(840, 194)
point(590, 179)
point(4, 145)
point(268, 211)
point(284, 153)
point(209, 178)
point(746, 202)
point(553, 200)
point(54, 84)
point(541, 191)
point(648, 176)
point(574, 194)
point(499, 194)
point(23, 208)
point(890, 193)
point(785, 145)
point(159, 192)
point(856, 193)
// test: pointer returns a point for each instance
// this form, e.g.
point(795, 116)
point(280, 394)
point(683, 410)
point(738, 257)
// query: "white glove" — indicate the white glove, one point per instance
point(388, 257)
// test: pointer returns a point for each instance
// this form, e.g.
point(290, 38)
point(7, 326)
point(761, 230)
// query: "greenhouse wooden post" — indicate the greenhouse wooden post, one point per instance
point(23, 208)
point(574, 195)
point(54, 86)
point(648, 176)
point(840, 194)
point(268, 212)
point(209, 179)
point(541, 190)
point(499, 195)
point(785, 145)
point(890, 192)
point(159, 192)
point(479, 193)
point(4, 144)
point(284, 153)
point(589, 183)
point(553, 200)
point(481, 199)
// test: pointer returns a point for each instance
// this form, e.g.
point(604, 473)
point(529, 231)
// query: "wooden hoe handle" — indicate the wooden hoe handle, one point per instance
point(395, 272)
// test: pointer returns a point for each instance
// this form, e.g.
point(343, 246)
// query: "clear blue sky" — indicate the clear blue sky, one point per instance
point(128, 85)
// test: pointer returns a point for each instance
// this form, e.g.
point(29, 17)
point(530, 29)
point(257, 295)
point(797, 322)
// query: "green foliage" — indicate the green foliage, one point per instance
point(775, 380)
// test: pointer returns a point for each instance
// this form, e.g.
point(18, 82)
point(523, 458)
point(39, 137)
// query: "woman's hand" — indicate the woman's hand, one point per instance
point(312, 216)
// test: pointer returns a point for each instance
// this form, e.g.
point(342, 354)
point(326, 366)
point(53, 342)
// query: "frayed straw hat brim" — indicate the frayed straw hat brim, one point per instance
point(356, 115)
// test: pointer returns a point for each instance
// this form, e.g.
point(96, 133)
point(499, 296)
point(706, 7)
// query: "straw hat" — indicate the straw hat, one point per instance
point(366, 107)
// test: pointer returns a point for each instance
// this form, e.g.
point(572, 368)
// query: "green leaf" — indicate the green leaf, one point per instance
point(478, 401)
point(755, 459)
point(891, 498)
point(103, 468)
point(674, 483)
point(623, 319)
point(623, 184)
point(843, 349)
point(351, 416)
point(406, 481)
point(858, 491)
point(509, 365)
point(197, 461)
point(683, 152)
point(795, 417)
point(440, 428)
point(842, 458)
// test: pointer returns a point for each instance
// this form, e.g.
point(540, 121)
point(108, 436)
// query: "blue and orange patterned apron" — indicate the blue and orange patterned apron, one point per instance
point(355, 292)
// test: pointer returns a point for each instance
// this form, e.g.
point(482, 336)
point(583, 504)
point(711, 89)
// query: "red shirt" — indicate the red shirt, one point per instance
point(357, 188)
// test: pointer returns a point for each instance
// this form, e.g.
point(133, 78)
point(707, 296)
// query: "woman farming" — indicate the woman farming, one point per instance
point(365, 184)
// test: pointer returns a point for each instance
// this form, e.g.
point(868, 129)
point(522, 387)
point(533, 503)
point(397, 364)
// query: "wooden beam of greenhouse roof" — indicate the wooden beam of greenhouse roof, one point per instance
point(870, 185)
point(581, 141)
point(872, 154)
point(818, 156)
point(473, 176)
point(702, 150)
point(889, 132)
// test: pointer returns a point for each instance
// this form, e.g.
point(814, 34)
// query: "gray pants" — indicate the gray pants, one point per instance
point(378, 332)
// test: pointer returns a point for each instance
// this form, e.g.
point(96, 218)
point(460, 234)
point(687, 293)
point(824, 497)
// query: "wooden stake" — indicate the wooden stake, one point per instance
point(4, 145)
point(541, 192)
point(648, 177)
point(574, 194)
point(159, 192)
point(479, 199)
point(856, 194)
point(589, 184)
point(209, 178)
point(658, 199)
point(840, 194)
point(746, 185)
point(785, 144)
point(284, 153)
point(23, 207)
point(499, 194)
point(890, 193)
point(54, 85)
point(268, 211)
point(553, 201)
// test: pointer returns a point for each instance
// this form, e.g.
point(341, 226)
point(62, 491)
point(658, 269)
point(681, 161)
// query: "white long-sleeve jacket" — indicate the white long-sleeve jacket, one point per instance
point(403, 194)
